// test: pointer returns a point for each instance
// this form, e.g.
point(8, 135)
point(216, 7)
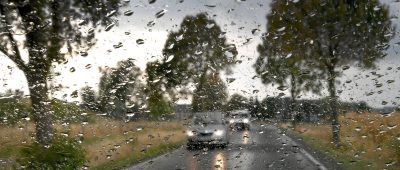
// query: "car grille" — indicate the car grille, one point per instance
point(205, 134)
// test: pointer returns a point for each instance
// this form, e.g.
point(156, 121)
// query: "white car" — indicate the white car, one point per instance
point(239, 119)
point(208, 128)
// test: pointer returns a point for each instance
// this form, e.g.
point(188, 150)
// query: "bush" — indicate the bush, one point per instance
point(67, 112)
point(63, 153)
point(12, 111)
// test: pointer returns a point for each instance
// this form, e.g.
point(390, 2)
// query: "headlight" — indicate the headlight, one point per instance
point(190, 133)
point(231, 121)
point(219, 132)
point(245, 120)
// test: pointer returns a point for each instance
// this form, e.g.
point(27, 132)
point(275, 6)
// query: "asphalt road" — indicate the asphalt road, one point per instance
point(261, 147)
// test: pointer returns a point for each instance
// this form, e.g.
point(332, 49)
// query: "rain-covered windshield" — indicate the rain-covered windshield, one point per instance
point(118, 84)
point(207, 118)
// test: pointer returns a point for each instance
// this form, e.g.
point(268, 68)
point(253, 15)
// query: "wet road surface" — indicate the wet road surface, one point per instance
point(261, 147)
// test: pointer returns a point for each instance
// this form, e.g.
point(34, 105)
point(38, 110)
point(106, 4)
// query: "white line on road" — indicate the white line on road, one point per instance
point(306, 154)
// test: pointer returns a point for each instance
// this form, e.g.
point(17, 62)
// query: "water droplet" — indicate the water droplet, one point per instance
point(111, 13)
point(128, 13)
point(83, 53)
point(140, 41)
point(161, 13)
point(151, 23)
point(88, 66)
point(390, 81)
point(282, 88)
point(152, 1)
point(72, 69)
point(281, 29)
point(118, 45)
point(345, 67)
point(108, 27)
point(210, 25)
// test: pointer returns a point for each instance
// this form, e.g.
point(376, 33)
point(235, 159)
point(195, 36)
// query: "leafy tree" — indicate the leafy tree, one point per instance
point(117, 86)
point(157, 103)
point(238, 102)
point(210, 94)
point(45, 27)
point(198, 48)
point(281, 57)
point(88, 96)
point(331, 35)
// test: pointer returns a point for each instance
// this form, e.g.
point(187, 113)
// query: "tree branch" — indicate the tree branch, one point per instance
point(16, 57)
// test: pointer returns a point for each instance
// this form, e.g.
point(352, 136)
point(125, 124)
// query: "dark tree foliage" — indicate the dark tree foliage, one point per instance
point(197, 49)
point(48, 26)
point(238, 102)
point(210, 94)
point(89, 100)
point(157, 103)
point(117, 87)
point(324, 36)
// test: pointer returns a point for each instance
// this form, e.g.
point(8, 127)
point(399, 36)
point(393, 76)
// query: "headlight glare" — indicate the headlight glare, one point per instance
point(219, 132)
point(190, 133)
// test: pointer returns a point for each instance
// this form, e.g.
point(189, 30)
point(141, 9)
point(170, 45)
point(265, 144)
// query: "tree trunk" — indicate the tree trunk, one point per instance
point(293, 114)
point(41, 111)
point(333, 106)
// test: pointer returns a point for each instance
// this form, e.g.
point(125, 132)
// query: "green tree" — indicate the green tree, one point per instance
point(157, 103)
point(47, 27)
point(238, 102)
point(88, 97)
point(281, 57)
point(198, 48)
point(332, 35)
point(117, 87)
point(210, 93)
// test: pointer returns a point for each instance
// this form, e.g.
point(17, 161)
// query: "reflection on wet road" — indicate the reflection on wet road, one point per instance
point(261, 147)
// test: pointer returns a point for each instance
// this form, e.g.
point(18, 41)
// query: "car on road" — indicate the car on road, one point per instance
point(239, 119)
point(208, 128)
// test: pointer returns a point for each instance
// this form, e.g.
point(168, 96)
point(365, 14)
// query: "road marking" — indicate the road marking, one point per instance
point(304, 152)
point(312, 159)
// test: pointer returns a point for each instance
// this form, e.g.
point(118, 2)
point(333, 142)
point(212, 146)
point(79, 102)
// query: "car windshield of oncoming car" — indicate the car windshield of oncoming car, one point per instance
point(207, 119)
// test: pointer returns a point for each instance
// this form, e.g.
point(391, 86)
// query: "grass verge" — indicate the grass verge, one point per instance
point(107, 142)
point(137, 157)
point(368, 140)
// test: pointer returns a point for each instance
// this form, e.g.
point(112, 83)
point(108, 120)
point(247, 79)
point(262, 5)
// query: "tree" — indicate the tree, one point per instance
point(117, 87)
point(88, 97)
point(238, 102)
point(46, 27)
point(197, 49)
point(281, 58)
point(210, 94)
point(331, 35)
point(157, 102)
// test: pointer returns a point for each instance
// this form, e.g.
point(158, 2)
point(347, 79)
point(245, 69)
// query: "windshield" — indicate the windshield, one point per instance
point(240, 116)
point(116, 84)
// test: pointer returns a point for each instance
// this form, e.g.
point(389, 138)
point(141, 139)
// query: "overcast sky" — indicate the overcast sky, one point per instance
point(237, 19)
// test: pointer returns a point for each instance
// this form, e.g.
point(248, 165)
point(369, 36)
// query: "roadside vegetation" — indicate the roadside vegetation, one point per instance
point(370, 140)
point(107, 143)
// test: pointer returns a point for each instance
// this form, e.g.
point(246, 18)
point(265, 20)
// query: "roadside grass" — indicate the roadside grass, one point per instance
point(108, 142)
point(368, 140)
point(139, 156)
